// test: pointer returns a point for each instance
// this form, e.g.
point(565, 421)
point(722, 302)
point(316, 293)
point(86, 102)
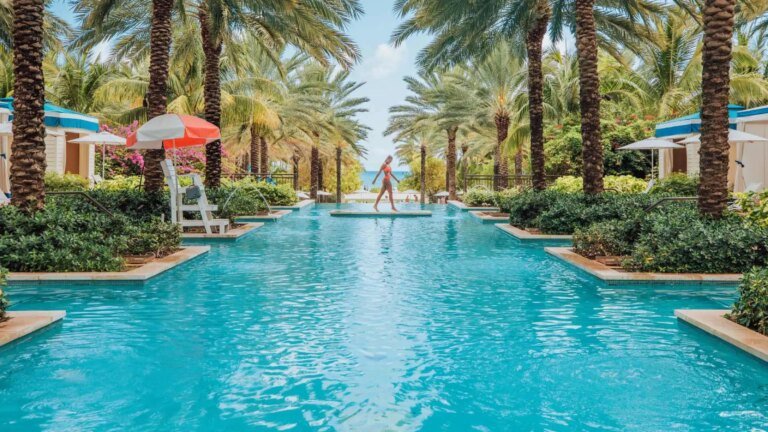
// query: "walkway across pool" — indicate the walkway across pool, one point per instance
point(426, 324)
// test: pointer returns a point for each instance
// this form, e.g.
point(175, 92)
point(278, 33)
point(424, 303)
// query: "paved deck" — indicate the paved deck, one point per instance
point(617, 277)
point(230, 235)
point(274, 216)
point(715, 323)
point(139, 274)
point(296, 207)
point(524, 235)
point(23, 323)
point(486, 218)
point(463, 207)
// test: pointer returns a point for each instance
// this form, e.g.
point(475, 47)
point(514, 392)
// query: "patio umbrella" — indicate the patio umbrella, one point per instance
point(302, 195)
point(410, 192)
point(651, 144)
point(103, 139)
point(442, 194)
point(173, 131)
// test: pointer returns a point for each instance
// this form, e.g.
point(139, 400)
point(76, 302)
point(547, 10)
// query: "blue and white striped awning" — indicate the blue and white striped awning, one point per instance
point(691, 124)
point(56, 116)
point(753, 114)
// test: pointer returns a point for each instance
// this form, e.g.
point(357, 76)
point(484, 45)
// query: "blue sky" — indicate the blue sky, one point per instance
point(381, 68)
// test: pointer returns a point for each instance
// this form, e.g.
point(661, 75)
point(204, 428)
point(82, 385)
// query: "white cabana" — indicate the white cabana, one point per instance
point(652, 144)
point(103, 139)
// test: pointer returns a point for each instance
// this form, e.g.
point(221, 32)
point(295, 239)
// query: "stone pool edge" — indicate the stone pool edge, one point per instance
point(713, 321)
point(301, 205)
point(614, 277)
point(23, 323)
point(140, 274)
point(231, 235)
point(272, 217)
point(463, 207)
point(484, 218)
point(524, 235)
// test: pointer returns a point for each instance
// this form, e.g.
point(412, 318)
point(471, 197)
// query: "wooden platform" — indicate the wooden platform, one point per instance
point(373, 214)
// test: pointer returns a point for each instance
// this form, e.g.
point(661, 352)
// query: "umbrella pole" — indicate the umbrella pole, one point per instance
point(653, 172)
point(103, 155)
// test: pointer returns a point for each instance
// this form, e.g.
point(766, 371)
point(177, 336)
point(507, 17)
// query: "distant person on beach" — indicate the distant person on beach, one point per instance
point(386, 183)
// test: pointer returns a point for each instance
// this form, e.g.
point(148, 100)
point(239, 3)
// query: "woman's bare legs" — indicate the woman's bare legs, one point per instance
point(378, 198)
point(391, 196)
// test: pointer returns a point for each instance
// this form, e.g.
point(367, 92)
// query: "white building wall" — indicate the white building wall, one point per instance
point(693, 159)
point(55, 148)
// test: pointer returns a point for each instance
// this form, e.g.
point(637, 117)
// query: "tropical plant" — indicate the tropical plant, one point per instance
point(751, 309)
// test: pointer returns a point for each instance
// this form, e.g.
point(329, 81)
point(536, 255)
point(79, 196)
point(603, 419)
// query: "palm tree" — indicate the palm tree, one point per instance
point(55, 29)
point(28, 150)
point(718, 17)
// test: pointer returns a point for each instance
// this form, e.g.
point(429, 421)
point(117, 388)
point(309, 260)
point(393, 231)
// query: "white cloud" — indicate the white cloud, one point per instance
point(386, 60)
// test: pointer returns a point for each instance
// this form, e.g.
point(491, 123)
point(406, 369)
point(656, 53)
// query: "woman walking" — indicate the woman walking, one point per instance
point(386, 183)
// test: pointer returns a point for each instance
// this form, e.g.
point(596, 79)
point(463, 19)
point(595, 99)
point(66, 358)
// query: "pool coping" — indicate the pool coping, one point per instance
point(301, 205)
point(23, 323)
point(484, 218)
point(713, 321)
point(272, 217)
point(463, 207)
point(374, 214)
point(139, 274)
point(231, 235)
point(524, 235)
point(612, 276)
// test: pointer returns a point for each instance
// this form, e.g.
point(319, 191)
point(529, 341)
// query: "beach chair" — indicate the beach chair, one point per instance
point(201, 205)
point(4, 200)
point(96, 179)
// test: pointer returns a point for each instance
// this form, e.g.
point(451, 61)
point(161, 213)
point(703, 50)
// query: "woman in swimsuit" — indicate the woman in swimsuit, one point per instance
point(386, 184)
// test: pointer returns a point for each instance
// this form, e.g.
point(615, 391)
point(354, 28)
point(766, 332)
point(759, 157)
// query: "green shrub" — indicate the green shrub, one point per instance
point(4, 303)
point(679, 240)
point(477, 197)
point(754, 207)
point(569, 212)
point(525, 208)
point(503, 200)
point(236, 201)
point(609, 238)
point(155, 237)
point(621, 184)
point(135, 204)
point(677, 184)
point(276, 195)
point(120, 183)
point(63, 183)
point(751, 309)
point(60, 240)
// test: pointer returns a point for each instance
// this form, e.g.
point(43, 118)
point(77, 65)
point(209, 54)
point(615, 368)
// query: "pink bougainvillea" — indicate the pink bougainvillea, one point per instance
point(122, 161)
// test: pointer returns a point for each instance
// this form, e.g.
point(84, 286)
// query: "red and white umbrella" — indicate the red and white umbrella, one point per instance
point(173, 131)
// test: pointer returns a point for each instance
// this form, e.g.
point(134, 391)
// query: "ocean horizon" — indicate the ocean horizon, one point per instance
point(367, 178)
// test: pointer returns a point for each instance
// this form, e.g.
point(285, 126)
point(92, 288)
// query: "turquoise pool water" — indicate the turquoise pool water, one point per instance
point(433, 324)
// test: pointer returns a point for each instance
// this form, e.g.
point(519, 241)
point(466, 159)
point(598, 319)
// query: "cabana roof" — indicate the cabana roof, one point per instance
point(56, 116)
point(691, 124)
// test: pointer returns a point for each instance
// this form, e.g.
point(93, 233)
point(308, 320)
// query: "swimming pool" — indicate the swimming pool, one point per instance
point(320, 323)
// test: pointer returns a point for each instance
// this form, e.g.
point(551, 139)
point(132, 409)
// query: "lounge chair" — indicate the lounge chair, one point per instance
point(4, 200)
point(201, 205)
point(650, 186)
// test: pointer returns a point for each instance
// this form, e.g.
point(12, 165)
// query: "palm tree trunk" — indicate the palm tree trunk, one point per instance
point(255, 150)
point(464, 162)
point(534, 42)
point(264, 156)
point(159, 53)
point(338, 174)
point(423, 174)
point(499, 161)
point(296, 158)
point(28, 149)
point(212, 96)
point(715, 85)
point(519, 162)
point(320, 178)
point(450, 163)
point(589, 97)
point(313, 175)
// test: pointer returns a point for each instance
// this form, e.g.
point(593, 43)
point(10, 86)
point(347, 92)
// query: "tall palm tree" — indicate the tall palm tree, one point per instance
point(28, 151)
point(55, 29)
point(718, 17)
